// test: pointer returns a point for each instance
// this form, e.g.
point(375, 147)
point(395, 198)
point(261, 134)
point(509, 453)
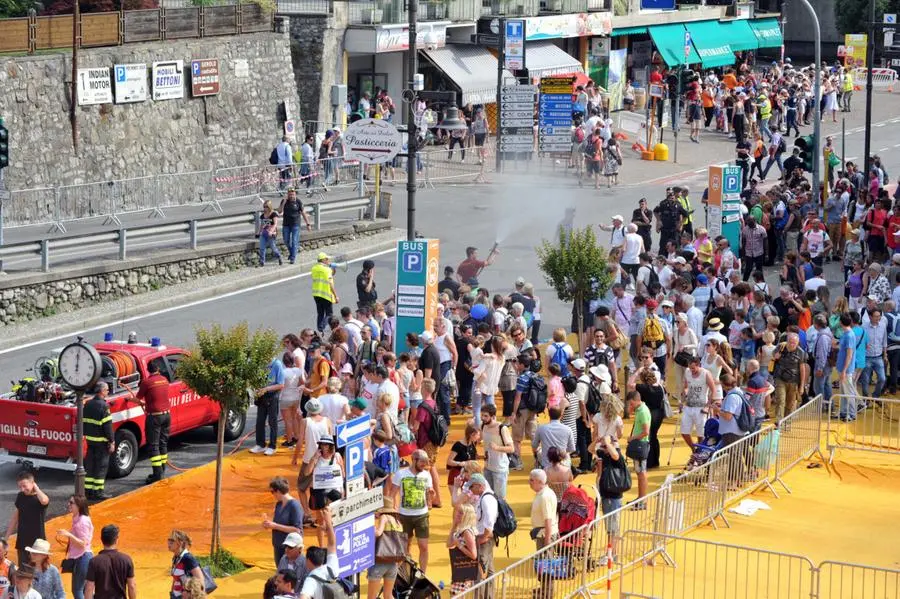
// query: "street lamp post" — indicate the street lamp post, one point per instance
point(870, 62)
point(411, 139)
point(817, 94)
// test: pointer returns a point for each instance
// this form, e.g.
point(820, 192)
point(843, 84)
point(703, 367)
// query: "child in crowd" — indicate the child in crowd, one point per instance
point(735, 337)
point(765, 354)
point(748, 345)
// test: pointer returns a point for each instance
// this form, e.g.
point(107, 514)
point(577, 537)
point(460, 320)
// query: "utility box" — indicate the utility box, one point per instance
point(338, 95)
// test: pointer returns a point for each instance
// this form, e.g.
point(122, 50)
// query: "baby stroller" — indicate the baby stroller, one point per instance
point(412, 583)
point(703, 451)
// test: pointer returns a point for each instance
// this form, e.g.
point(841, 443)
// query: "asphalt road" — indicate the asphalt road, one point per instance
point(517, 210)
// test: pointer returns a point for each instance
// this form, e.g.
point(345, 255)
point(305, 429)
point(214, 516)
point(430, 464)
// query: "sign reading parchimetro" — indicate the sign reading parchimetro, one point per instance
point(372, 141)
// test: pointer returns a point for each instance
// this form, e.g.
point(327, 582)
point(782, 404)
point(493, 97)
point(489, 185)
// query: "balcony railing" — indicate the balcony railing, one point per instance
point(393, 12)
point(304, 7)
point(511, 8)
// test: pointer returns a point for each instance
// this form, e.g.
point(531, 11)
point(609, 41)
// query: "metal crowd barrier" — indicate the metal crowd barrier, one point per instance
point(749, 465)
point(681, 504)
point(876, 428)
point(800, 437)
point(839, 580)
point(695, 568)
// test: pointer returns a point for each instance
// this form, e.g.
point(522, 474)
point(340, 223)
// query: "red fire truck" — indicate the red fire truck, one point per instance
point(38, 419)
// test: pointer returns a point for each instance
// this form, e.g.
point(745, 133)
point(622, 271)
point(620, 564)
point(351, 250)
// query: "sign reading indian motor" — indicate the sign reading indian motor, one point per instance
point(372, 141)
point(205, 77)
point(168, 80)
point(94, 86)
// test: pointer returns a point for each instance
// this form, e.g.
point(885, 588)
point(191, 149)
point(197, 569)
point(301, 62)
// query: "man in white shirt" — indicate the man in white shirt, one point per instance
point(413, 490)
point(353, 328)
point(694, 315)
point(486, 511)
point(386, 385)
point(664, 273)
point(335, 406)
point(816, 281)
point(642, 284)
point(617, 228)
point(322, 563)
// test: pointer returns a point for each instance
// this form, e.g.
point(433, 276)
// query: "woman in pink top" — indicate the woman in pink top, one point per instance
point(555, 391)
point(79, 538)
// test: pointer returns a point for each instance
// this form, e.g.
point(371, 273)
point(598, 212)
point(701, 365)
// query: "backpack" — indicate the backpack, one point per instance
point(560, 356)
point(569, 383)
point(653, 279)
point(273, 157)
point(587, 148)
point(592, 399)
point(653, 335)
point(332, 588)
point(578, 135)
point(437, 432)
point(782, 146)
point(535, 399)
point(506, 518)
point(746, 417)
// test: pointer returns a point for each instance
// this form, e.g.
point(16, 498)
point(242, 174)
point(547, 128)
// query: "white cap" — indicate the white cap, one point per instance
point(619, 218)
point(579, 364)
point(294, 539)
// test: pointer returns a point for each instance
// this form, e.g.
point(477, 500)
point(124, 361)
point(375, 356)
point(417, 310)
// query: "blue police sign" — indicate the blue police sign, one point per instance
point(355, 545)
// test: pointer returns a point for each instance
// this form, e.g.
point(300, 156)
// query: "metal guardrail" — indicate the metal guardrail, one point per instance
point(208, 229)
point(874, 425)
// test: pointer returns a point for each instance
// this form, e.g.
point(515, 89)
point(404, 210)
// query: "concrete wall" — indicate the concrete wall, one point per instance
point(317, 50)
point(238, 126)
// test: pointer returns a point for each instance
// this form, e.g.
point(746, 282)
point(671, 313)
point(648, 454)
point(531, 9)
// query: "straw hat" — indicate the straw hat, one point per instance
point(387, 508)
point(40, 546)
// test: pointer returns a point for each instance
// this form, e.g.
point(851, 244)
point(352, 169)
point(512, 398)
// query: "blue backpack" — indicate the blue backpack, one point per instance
point(560, 356)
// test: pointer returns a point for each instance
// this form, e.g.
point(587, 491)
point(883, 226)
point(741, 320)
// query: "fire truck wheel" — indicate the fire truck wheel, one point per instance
point(122, 462)
point(234, 425)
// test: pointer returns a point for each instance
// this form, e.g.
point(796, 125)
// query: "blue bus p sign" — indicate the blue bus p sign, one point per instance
point(412, 262)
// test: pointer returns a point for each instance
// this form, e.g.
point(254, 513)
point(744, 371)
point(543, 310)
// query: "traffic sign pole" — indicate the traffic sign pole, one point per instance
point(501, 60)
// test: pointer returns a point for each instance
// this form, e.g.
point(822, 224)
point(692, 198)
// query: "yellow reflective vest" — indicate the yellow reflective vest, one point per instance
point(686, 204)
point(848, 81)
point(321, 281)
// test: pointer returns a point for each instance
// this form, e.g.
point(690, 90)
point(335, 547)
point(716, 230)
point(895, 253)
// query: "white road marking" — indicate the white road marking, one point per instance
point(880, 124)
point(181, 306)
point(885, 149)
point(700, 170)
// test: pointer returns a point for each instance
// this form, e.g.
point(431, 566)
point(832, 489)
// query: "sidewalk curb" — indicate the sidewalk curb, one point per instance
point(138, 308)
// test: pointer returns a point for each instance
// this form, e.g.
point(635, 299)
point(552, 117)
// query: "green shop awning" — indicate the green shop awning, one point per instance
point(669, 41)
point(739, 35)
point(768, 32)
point(712, 44)
point(628, 31)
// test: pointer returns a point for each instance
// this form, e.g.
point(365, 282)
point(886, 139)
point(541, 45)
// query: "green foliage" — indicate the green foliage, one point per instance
point(16, 8)
point(852, 16)
point(575, 266)
point(224, 364)
point(222, 563)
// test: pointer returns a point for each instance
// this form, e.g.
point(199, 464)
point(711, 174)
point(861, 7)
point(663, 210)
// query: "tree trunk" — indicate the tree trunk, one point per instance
point(217, 502)
point(579, 318)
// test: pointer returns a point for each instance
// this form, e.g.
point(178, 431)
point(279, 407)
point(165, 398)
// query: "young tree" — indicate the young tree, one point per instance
point(223, 366)
point(576, 267)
